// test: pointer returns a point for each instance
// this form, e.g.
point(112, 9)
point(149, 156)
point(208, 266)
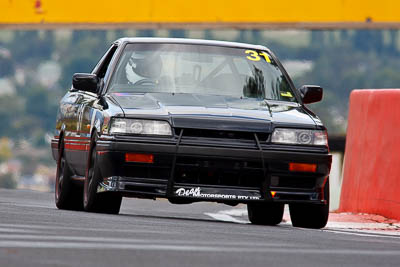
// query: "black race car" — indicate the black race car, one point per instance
point(192, 120)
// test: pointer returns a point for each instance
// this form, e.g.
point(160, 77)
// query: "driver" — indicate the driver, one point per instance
point(148, 68)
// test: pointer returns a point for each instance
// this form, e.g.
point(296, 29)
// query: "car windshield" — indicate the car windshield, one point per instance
point(200, 69)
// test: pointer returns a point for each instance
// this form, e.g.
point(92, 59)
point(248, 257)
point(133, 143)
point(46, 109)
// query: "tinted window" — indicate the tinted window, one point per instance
point(200, 69)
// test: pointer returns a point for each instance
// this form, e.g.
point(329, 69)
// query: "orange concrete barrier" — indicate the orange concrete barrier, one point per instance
point(371, 174)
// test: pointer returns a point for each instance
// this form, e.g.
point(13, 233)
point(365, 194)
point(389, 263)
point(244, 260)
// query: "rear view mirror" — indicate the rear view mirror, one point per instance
point(85, 82)
point(311, 93)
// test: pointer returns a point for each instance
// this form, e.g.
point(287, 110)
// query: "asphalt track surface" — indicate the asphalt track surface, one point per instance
point(155, 233)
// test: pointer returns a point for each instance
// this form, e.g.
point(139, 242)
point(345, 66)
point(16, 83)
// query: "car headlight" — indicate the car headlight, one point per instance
point(145, 127)
point(299, 137)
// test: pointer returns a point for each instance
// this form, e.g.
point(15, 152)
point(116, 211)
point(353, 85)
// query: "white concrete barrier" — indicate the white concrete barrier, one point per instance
point(335, 180)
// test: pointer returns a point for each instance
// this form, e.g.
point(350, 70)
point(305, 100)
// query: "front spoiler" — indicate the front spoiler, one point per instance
point(111, 158)
point(196, 193)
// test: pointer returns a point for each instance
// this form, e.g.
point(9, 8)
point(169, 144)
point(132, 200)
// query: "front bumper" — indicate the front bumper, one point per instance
point(190, 172)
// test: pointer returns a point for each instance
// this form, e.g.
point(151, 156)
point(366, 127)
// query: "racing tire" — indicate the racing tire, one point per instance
point(314, 216)
point(68, 196)
point(265, 213)
point(106, 202)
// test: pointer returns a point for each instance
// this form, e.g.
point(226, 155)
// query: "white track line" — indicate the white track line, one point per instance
point(8, 227)
point(194, 248)
point(88, 240)
point(17, 230)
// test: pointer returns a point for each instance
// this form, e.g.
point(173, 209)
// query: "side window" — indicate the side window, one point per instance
point(101, 68)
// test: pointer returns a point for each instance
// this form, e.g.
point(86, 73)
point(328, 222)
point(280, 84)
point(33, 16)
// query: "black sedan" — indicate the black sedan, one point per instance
point(192, 120)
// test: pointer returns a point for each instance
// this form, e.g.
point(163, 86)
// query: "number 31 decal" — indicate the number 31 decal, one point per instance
point(254, 56)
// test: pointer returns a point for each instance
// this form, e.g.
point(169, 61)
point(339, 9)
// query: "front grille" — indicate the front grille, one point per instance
point(218, 172)
point(218, 134)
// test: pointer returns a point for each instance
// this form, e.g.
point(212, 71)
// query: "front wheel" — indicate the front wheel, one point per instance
point(265, 213)
point(310, 215)
point(92, 201)
point(67, 195)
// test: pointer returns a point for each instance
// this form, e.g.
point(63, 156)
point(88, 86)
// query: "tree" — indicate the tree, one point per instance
point(5, 149)
point(7, 181)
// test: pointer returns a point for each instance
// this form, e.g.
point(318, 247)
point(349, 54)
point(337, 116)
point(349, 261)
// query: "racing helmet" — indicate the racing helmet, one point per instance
point(145, 65)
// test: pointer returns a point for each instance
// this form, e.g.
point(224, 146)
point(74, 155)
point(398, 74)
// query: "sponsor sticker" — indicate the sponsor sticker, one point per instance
point(256, 56)
point(196, 192)
point(286, 94)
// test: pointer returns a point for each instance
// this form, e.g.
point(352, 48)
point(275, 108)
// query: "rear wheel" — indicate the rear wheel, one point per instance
point(265, 213)
point(67, 195)
point(311, 215)
point(92, 201)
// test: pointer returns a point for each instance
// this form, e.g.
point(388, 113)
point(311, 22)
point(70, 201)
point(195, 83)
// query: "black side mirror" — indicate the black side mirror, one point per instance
point(311, 93)
point(85, 82)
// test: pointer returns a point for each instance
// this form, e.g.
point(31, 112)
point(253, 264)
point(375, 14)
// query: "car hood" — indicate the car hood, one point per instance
point(215, 112)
